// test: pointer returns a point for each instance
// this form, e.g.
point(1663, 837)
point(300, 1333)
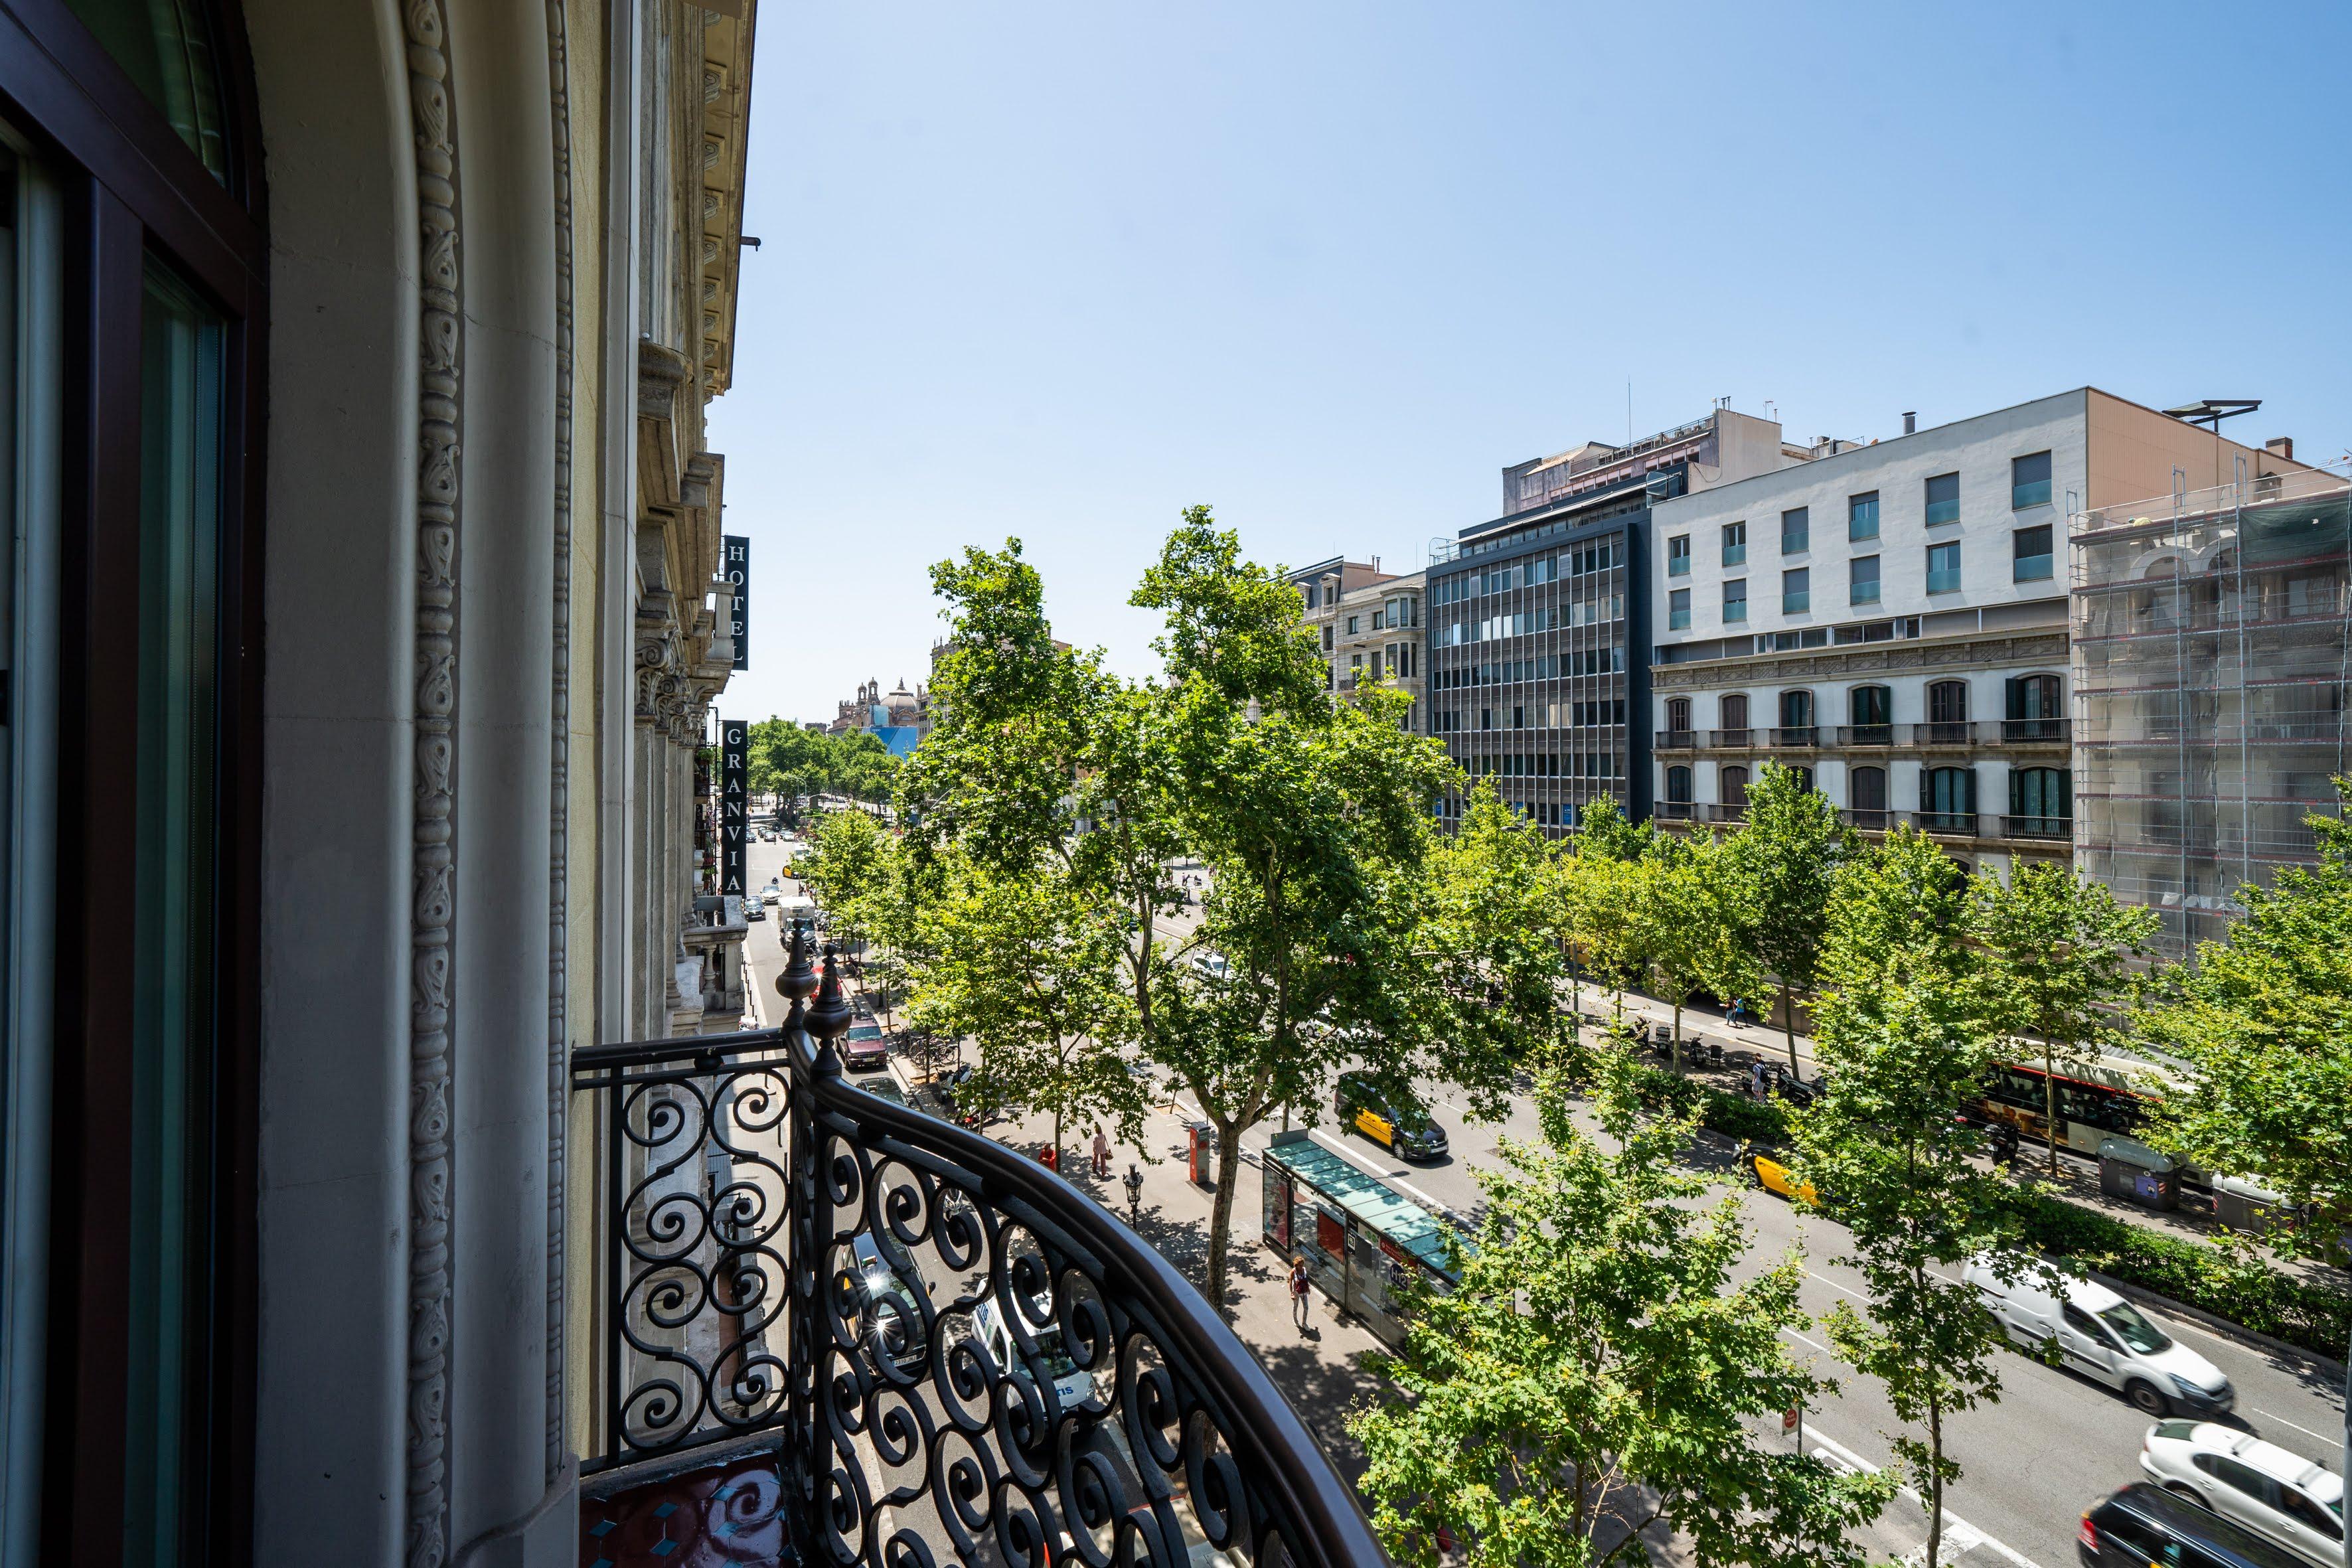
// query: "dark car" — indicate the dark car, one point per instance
point(1408, 1132)
point(863, 1049)
point(2144, 1527)
point(889, 1320)
point(881, 1085)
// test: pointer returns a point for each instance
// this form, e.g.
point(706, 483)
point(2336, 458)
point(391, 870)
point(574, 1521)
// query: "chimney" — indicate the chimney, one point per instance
point(1910, 422)
point(2281, 446)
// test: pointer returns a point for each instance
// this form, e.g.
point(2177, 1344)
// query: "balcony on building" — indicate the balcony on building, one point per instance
point(831, 1327)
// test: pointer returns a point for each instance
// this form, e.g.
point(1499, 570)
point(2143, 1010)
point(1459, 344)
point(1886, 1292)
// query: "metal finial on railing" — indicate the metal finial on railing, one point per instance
point(829, 1019)
point(798, 983)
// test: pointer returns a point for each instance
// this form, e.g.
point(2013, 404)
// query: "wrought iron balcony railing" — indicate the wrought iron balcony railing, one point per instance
point(961, 1357)
point(2037, 828)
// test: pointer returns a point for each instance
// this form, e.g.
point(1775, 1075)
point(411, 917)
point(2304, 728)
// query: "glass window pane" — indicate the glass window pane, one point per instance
point(165, 46)
point(170, 965)
point(2029, 481)
point(1796, 530)
point(1862, 516)
point(1943, 499)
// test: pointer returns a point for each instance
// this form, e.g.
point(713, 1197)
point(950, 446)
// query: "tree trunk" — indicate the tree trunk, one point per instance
point(1221, 1214)
point(1935, 1478)
point(1677, 1044)
point(2049, 1101)
point(1789, 1028)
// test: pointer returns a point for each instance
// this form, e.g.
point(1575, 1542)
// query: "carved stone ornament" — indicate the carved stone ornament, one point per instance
point(440, 388)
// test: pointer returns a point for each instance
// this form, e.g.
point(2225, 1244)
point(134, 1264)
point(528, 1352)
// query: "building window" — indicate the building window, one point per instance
point(1796, 530)
point(1943, 568)
point(1865, 790)
point(1796, 710)
point(2029, 481)
point(1731, 782)
point(1947, 713)
point(1735, 544)
point(2034, 558)
point(1352, 624)
point(1485, 718)
point(1862, 516)
point(1870, 707)
point(1678, 608)
point(2042, 794)
point(1797, 591)
point(1678, 786)
point(1327, 639)
point(1732, 711)
point(1943, 499)
point(1679, 713)
point(1735, 600)
point(1948, 795)
point(1864, 589)
point(1678, 556)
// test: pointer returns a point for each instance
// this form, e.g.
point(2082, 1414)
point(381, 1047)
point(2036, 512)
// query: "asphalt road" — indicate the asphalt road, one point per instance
point(2052, 1445)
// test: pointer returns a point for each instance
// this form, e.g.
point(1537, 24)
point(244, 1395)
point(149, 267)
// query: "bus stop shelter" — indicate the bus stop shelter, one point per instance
point(1361, 1238)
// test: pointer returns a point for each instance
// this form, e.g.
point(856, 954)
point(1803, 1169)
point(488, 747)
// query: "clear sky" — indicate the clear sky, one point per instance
point(1059, 271)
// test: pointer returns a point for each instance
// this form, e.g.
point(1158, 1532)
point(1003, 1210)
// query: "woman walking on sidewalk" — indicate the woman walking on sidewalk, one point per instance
point(1102, 1155)
point(1298, 1291)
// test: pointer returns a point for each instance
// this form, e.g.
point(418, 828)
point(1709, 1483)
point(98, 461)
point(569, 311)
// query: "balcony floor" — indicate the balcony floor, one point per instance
point(722, 1513)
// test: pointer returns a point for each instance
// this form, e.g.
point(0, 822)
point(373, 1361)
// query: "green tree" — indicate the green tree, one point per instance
point(1903, 1043)
point(1600, 1368)
point(2263, 1023)
point(1686, 908)
point(1019, 967)
point(1496, 925)
point(1313, 819)
point(850, 869)
point(1785, 858)
point(2056, 950)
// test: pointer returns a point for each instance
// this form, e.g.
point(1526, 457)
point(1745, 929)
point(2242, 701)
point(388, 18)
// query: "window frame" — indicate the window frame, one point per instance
point(1802, 535)
point(133, 190)
point(1949, 548)
point(1855, 583)
point(1854, 516)
point(1730, 599)
point(1735, 549)
point(1929, 502)
point(2026, 494)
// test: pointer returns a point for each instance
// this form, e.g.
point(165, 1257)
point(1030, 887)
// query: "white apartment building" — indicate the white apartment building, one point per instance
point(1891, 620)
point(1371, 629)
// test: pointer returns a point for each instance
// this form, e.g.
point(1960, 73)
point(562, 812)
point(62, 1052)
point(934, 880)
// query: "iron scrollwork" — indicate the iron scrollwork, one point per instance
point(966, 1359)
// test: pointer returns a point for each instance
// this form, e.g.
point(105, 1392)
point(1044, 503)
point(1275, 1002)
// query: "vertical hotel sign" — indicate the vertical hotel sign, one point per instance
point(737, 549)
point(734, 802)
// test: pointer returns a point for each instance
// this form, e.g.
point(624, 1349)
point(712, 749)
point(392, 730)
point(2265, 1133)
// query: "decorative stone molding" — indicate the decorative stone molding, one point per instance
point(440, 393)
point(664, 376)
point(559, 916)
point(1867, 658)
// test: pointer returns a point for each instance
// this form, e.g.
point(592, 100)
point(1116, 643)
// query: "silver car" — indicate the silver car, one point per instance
point(2280, 1496)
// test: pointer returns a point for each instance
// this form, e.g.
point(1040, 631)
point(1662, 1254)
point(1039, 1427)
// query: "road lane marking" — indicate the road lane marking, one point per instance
point(1953, 1522)
point(2285, 1422)
point(1835, 1286)
point(1815, 1344)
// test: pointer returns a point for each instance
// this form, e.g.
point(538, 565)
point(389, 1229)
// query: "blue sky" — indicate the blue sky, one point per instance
point(1059, 271)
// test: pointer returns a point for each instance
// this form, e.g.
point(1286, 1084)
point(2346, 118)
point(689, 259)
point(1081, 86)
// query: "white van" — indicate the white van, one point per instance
point(1072, 1383)
point(2103, 1336)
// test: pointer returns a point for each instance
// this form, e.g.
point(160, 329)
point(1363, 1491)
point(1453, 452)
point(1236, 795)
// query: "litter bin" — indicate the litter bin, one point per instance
point(2241, 1206)
point(2130, 1169)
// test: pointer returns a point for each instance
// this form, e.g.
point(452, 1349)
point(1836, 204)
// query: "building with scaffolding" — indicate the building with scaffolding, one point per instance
point(2212, 651)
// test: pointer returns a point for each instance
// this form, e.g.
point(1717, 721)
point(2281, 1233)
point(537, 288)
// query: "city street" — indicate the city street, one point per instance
point(2054, 1445)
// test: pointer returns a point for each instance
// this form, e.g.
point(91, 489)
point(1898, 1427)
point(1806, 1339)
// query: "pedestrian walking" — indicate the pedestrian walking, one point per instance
point(1298, 1291)
point(1102, 1155)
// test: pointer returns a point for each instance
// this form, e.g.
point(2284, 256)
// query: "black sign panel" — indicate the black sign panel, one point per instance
point(736, 567)
point(734, 802)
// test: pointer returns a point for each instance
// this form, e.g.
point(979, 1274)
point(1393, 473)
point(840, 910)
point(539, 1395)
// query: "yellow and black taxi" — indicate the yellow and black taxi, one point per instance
point(1364, 1107)
point(1769, 1168)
